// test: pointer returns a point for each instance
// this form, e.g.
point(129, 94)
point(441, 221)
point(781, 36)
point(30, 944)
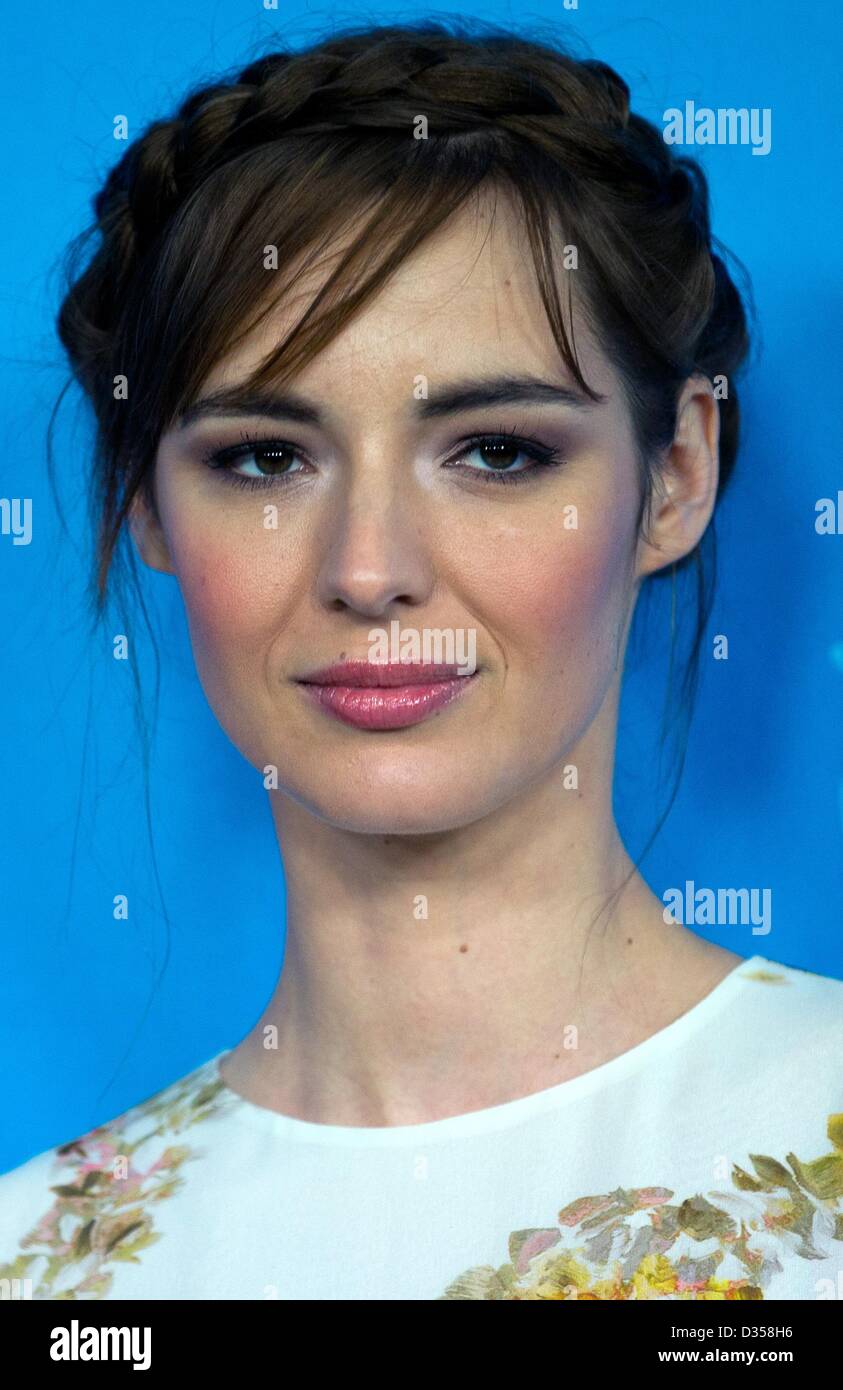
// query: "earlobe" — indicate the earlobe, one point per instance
point(148, 535)
point(686, 489)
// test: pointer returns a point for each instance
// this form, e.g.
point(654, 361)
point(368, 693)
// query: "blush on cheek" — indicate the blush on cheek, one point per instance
point(230, 601)
point(554, 595)
point(226, 589)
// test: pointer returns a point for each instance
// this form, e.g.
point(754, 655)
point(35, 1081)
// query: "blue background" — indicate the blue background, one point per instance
point(84, 1031)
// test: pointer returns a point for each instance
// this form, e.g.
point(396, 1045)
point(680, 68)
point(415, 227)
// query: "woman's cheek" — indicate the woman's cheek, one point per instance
point(223, 575)
point(227, 593)
point(546, 596)
point(230, 591)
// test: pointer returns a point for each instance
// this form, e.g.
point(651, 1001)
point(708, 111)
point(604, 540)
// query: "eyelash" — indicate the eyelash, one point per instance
point(542, 456)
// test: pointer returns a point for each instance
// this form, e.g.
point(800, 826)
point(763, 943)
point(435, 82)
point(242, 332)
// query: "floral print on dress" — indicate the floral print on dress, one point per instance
point(110, 1181)
point(640, 1243)
point(633, 1243)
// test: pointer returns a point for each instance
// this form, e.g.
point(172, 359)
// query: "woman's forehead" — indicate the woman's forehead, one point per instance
point(465, 301)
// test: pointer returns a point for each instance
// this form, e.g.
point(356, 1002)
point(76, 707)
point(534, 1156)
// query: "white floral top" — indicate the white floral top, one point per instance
point(705, 1163)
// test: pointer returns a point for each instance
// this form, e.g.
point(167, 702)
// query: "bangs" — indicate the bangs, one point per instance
point(245, 241)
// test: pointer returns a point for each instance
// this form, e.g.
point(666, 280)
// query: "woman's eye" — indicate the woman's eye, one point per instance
point(256, 463)
point(263, 461)
point(500, 457)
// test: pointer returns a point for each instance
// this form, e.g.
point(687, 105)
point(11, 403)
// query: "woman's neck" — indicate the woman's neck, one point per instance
point(427, 976)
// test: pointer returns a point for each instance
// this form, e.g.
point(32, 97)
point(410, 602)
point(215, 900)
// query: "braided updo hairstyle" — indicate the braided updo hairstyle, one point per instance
point(302, 145)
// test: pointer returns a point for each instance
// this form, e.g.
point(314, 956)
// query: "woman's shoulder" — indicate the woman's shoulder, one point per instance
point(174, 1105)
point(790, 988)
point(117, 1164)
point(782, 1038)
point(789, 1011)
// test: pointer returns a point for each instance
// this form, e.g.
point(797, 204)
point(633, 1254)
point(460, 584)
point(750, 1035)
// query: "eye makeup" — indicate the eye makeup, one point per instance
point(500, 441)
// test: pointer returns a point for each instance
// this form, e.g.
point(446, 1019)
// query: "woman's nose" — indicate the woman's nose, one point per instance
point(375, 553)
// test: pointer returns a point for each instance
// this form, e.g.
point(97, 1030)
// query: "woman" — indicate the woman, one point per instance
point(406, 355)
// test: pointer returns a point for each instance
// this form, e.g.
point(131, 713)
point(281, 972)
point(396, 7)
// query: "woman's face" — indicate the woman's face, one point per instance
point(375, 508)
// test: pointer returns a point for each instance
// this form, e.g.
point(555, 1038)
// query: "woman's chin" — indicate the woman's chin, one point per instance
point(408, 809)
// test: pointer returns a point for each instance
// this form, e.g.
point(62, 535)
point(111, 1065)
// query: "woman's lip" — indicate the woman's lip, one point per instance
point(375, 675)
point(386, 706)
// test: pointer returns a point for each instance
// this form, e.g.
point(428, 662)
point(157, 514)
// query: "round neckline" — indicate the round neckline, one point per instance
point(490, 1117)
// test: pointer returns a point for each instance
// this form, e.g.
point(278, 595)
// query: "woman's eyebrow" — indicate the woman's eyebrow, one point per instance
point(447, 399)
point(238, 400)
point(499, 390)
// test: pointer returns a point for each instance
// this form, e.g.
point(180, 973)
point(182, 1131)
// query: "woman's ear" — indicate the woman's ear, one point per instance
point(148, 535)
point(686, 485)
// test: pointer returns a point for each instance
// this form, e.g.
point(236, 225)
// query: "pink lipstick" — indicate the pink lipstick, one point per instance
point(372, 695)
